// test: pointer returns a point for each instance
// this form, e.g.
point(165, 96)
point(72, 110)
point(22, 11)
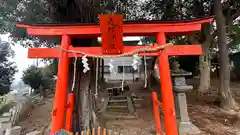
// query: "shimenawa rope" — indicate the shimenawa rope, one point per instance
point(157, 48)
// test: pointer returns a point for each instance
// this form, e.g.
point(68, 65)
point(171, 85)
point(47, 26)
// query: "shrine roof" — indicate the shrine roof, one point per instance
point(130, 28)
point(201, 19)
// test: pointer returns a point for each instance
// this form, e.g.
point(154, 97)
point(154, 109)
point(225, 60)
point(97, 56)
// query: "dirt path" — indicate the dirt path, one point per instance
point(38, 119)
point(144, 124)
point(203, 112)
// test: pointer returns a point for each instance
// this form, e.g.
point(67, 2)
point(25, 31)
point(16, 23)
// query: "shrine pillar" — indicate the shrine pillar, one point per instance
point(166, 89)
point(156, 113)
point(58, 114)
point(69, 112)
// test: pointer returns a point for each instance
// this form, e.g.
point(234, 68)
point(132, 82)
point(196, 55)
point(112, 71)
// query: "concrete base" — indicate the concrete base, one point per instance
point(62, 132)
point(14, 131)
point(5, 125)
point(189, 128)
point(4, 118)
point(6, 114)
point(2, 132)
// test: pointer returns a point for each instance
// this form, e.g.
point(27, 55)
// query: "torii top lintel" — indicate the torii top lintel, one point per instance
point(130, 28)
point(112, 35)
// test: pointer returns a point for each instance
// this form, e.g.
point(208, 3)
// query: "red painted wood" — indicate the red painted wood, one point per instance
point(179, 50)
point(176, 50)
point(112, 34)
point(58, 121)
point(69, 113)
point(135, 29)
point(166, 89)
point(156, 113)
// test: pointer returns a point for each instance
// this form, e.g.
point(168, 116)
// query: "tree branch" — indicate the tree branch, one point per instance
point(236, 15)
point(226, 4)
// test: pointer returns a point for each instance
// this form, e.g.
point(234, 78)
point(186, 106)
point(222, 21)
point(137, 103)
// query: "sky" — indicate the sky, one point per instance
point(20, 58)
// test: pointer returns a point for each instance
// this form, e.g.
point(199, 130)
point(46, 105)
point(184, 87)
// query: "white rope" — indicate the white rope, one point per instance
point(145, 72)
point(123, 75)
point(74, 72)
point(154, 49)
point(96, 79)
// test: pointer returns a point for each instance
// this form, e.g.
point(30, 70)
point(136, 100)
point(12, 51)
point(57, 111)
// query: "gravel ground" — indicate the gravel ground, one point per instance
point(202, 111)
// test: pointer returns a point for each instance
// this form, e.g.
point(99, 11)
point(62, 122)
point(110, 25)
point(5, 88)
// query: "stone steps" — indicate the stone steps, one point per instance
point(119, 106)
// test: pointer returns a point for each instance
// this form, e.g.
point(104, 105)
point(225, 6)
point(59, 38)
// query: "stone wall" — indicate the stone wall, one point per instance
point(15, 107)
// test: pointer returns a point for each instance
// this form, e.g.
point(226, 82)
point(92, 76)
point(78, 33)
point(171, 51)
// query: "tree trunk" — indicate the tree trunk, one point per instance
point(227, 100)
point(84, 100)
point(205, 68)
point(204, 59)
point(85, 116)
point(42, 93)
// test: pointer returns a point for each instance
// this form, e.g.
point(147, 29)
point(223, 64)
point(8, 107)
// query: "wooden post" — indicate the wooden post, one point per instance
point(156, 113)
point(102, 70)
point(99, 131)
point(99, 68)
point(166, 88)
point(69, 114)
point(61, 88)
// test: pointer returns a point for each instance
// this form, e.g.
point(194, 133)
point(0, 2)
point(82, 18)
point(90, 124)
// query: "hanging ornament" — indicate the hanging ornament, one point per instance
point(96, 78)
point(85, 64)
point(145, 72)
point(111, 67)
point(135, 61)
point(123, 64)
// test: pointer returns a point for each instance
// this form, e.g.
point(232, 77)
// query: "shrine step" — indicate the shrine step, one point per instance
point(117, 101)
point(123, 100)
point(120, 115)
point(119, 106)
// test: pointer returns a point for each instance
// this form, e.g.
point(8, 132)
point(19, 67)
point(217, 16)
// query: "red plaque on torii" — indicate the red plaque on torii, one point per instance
point(112, 33)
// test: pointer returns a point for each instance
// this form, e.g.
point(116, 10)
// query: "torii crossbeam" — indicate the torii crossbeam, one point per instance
point(113, 46)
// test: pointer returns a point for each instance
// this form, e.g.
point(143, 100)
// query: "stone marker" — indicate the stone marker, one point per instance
point(14, 131)
point(5, 125)
point(4, 118)
point(2, 132)
point(180, 88)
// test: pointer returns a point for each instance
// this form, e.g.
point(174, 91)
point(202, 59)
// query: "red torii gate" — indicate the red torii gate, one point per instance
point(62, 109)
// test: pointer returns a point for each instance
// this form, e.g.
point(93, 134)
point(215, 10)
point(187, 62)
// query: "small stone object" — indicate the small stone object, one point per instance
point(176, 66)
point(2, 132)
point(5, 125)
point(7, 114)
point(4, 118)
point(62, 132)
point(14, 131)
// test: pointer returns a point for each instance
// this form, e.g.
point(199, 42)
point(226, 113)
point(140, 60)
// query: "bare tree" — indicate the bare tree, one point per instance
point(227, 100)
